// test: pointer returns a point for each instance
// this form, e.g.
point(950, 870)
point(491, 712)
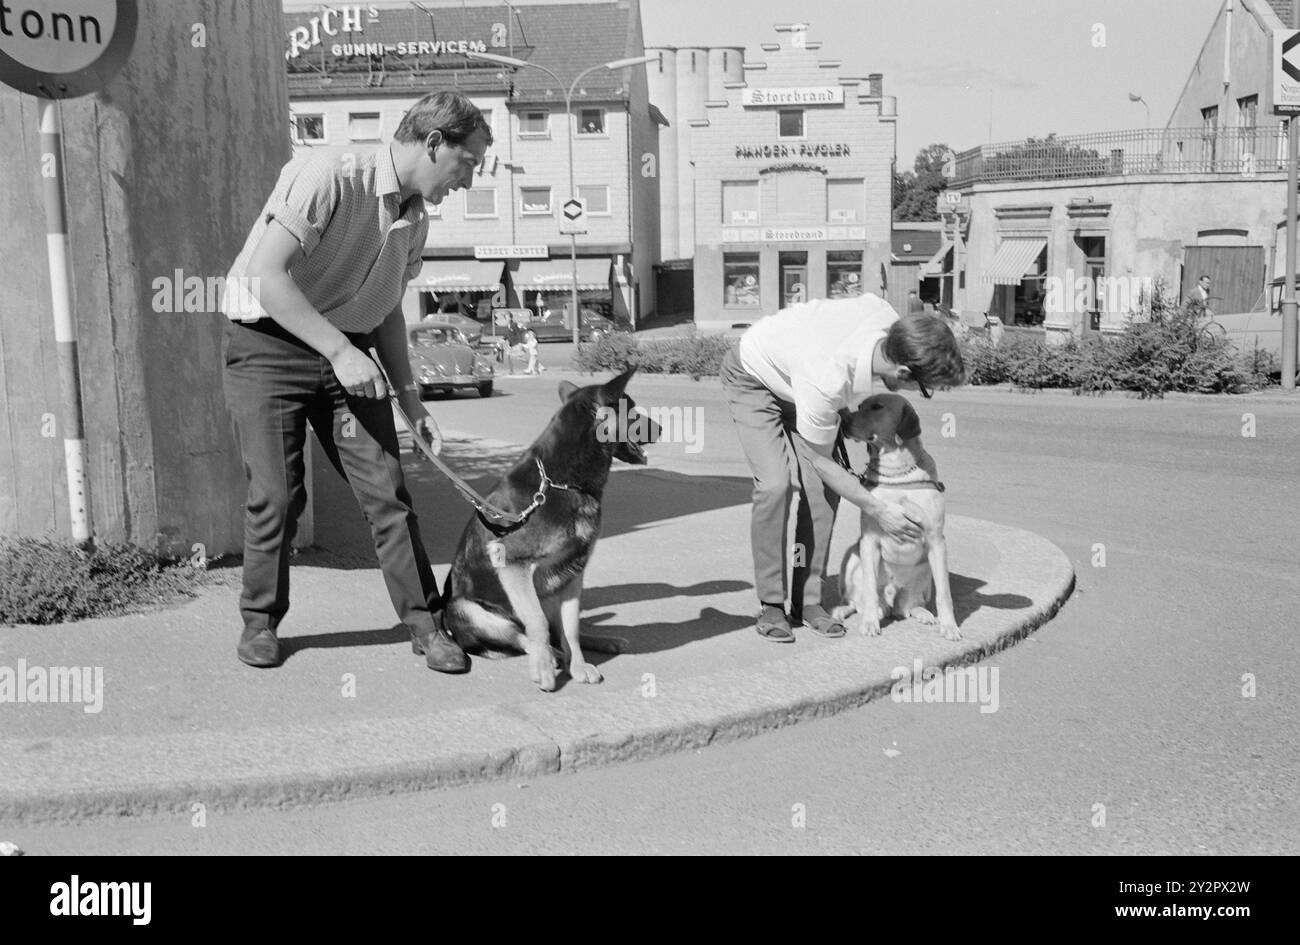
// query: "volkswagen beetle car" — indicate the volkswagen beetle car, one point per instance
point(471, 329)
point(442, 360)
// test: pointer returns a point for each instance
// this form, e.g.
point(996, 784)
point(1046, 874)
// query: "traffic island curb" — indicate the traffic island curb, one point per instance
point(1024, 579)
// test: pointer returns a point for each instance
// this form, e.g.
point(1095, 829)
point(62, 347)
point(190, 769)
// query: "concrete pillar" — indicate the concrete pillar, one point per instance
point(167, 169)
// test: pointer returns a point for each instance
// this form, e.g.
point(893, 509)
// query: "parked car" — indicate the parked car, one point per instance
point(470, 328)
point(552, 327)
point(443, 360)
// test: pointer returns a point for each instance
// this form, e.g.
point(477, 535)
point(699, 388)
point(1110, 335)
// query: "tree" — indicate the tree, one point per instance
point(916, 191)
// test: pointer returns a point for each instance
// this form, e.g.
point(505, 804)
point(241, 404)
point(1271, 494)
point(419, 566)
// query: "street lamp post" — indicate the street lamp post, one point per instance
point(572, 122)
point(1134, 97)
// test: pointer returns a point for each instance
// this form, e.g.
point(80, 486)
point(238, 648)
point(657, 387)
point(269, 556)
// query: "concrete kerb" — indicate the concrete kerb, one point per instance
point(141, 775)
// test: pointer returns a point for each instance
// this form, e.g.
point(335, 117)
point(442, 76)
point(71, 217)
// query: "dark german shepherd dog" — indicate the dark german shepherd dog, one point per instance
point(521, 592)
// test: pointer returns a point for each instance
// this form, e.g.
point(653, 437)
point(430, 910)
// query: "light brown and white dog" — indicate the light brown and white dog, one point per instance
point(881, 577)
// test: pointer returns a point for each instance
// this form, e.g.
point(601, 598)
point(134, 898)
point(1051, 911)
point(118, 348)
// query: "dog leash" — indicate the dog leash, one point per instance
point(487, 513)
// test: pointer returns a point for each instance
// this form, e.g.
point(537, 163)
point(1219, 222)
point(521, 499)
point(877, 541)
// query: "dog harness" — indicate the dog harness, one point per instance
point(897, 481)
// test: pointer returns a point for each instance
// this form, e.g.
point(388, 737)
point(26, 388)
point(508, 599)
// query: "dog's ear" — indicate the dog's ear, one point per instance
point(567, 390)
point(613, 389)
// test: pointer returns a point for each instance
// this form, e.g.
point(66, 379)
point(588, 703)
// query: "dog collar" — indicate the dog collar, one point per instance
point(544, 484)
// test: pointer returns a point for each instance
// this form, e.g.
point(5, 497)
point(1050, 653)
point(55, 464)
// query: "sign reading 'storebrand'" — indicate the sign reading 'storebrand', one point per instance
point(63, 48)
point(825, 95)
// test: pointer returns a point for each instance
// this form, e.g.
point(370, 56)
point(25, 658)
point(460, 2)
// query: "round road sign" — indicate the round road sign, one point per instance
point(64, 48)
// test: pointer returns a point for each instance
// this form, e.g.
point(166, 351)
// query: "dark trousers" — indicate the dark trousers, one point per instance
point(765, 423)
point(275, 385)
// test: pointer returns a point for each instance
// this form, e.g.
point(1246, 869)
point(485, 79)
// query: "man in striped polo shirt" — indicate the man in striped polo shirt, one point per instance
point(326, 265)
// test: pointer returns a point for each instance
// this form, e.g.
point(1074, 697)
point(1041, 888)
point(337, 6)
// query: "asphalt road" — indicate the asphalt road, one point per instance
point(1122, 727)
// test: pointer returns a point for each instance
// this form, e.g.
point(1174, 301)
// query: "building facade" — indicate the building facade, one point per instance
point(355, 69)
point(787, 174)
point(1067, 235)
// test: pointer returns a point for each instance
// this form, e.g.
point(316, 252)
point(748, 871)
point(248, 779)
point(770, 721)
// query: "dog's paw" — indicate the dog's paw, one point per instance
point(869, 626)
point(585, 673)
point(949, 630)
point(542, 667)
point(923, 616)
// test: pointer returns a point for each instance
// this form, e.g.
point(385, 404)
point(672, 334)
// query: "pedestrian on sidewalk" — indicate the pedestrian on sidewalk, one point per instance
point(530, 345)
point(785, 383)
point(514, 344)
point(327, 263)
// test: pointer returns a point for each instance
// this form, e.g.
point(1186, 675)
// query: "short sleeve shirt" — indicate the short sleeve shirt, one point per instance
point(818, 356)
point(361, 243)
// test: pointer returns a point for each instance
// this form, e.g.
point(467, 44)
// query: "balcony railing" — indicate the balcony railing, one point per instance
point(1237, 151)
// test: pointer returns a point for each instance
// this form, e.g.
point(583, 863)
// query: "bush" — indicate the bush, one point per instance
point(1164, 349)
point(44, 581)
point(695, 355)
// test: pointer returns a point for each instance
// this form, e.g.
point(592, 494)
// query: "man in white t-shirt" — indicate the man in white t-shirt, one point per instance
point(785, 383)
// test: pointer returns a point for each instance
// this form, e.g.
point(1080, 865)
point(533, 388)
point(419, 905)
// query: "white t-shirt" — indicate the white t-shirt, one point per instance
point(818, 356)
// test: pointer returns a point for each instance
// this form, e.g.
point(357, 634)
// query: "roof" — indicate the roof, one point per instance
point(923, 243)
point(566, 38)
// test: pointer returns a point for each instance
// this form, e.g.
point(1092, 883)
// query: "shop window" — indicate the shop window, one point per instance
point(480, 202)
point(363, 126)
point(591, 121)
point(597, 197)
point(1030, 294)
point(790, 123)
point(740, 202)
point(846, 201)
point(844, 271)
point(740, 276)
point(535, 123)
point(535, 201)
point(309, 129)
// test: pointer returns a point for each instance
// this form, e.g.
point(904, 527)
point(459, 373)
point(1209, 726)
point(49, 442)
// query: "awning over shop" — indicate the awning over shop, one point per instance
point(1013, 261)
point(458, 275)
point(556, 275)
point(934, 266)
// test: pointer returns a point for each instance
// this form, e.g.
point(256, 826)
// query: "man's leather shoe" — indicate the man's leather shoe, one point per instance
point(441, 652)
point(260, 647)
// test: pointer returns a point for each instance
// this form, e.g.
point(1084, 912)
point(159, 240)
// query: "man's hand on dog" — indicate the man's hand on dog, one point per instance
point(897, 525)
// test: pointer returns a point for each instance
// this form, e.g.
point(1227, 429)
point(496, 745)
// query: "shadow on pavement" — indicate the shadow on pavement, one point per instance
point(634, 499)
point(966, 600)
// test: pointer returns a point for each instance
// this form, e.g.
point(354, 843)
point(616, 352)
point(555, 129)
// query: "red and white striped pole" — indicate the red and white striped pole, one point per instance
point(65, 327)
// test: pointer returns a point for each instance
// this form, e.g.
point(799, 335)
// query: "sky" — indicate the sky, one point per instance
point(947, 61)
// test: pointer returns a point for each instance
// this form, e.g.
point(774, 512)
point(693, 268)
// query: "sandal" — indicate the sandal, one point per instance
point(816, 619)
point(773, 625)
